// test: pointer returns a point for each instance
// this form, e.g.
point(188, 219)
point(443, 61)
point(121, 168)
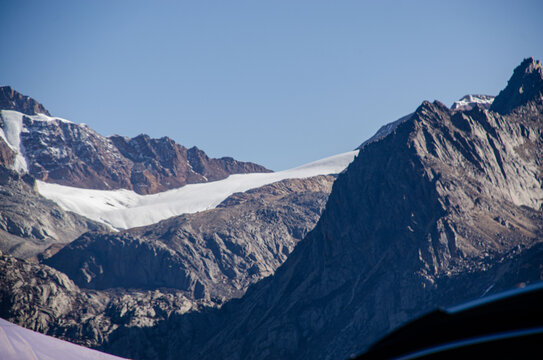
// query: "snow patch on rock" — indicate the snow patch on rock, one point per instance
point(470, 101)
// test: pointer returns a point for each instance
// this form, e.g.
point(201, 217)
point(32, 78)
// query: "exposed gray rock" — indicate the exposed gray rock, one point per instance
point(215, 254)
point(29, 223)
point(43, 299)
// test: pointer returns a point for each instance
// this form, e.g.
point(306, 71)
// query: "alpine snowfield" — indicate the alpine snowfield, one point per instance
point(18, 343)
point(124, 209)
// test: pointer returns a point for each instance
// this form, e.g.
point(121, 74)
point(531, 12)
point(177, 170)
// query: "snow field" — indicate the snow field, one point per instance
point(18, 343)
point(124, 209)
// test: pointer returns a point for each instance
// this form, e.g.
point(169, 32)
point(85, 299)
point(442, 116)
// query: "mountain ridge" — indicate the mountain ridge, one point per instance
point(525, 84)
point(60, 151)
point(439, 208)
point(421, 218)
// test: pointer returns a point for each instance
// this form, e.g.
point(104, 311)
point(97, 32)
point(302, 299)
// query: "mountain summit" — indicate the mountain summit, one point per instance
point(525, 85)
point(13, 100)
point(445, 208)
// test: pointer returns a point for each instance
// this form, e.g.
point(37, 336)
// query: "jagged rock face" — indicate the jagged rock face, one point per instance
point(162, 164)
point(12, 100)
point(43, 299)
point(434, 214)
point(213, 255)
point(66, 153)
point(72, 154)
point(525, 85)
point(29, 223)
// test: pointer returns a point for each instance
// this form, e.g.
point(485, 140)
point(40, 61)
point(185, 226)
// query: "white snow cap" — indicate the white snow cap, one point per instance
point(469, 101)
point(123, 209)
point(18, 343)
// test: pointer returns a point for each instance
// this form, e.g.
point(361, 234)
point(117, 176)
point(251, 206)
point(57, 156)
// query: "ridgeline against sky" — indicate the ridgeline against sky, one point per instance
point(280, 84)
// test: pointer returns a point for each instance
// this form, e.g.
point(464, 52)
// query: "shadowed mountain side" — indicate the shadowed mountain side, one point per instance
point(185, 332)
point(447, 195)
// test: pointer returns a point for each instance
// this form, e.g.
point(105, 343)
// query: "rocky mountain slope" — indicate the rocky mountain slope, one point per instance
point(140, 276)
point(12, 100)
point(445, 208)
point(43, 299)
point(59, 151)
point(29, 223)
point(214, 254)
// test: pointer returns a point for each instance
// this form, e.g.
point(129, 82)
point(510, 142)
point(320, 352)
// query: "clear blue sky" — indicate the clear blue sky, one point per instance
point(279, 83)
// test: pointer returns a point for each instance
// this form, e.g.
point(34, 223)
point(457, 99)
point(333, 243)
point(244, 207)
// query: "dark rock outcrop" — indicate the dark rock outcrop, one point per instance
point(12, 100)
point(525, 85)
point(7, 155)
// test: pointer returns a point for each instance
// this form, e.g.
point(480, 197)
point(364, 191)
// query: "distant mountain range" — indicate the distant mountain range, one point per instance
point(441, 206)
point(62, 152)
point(217, 237)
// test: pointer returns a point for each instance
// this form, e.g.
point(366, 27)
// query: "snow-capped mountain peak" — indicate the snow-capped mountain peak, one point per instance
point(59, 151)
point(469, 101)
